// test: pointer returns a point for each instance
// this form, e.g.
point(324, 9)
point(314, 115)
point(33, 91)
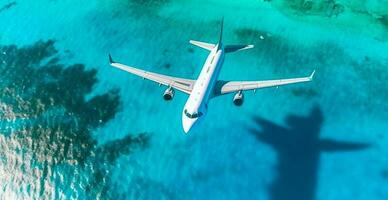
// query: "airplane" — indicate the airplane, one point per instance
point(207, 85)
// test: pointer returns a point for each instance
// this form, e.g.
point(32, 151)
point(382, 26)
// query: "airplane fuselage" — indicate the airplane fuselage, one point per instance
point(196, 105)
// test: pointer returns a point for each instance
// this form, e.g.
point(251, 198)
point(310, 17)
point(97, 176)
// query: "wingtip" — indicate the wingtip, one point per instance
point(312, 75)
point(110, 59)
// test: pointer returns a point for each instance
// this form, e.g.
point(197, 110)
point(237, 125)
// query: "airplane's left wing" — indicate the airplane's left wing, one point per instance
point(181, 84)
point(225, 87)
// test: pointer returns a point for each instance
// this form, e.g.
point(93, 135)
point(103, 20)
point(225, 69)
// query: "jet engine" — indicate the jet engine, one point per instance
point(238, 98)
point(168, 94)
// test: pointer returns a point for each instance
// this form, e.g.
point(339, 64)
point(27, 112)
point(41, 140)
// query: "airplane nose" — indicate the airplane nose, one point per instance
point(187, 124)
point(186, 128)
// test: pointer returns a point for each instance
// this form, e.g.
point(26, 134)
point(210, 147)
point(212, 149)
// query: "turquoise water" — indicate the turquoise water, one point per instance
point(73, 127)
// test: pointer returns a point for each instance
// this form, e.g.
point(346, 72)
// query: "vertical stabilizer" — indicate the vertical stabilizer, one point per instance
point(222, 27)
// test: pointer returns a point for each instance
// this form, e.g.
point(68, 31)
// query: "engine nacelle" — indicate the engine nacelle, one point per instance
point(168, 94)
point(238, 98)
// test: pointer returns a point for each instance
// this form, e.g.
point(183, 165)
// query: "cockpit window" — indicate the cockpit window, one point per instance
point(192, 116)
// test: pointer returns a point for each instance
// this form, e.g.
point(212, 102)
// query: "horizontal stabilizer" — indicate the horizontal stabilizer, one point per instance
point(235, 48)
point(203, 45)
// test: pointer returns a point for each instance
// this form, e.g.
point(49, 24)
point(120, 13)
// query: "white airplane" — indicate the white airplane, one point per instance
point(207, 85)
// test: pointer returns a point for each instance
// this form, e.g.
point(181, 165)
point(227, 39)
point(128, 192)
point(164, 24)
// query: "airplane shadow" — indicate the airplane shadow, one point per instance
point(298, 149)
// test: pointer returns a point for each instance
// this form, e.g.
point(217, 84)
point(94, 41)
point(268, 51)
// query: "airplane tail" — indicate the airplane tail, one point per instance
point(209, 46)
point(228, 48)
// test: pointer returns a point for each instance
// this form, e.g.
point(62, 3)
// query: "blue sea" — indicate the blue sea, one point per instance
point(72, 127)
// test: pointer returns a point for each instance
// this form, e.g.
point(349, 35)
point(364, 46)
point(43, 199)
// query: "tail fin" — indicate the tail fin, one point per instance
point(209, 46)
point(111, 59)
point(235, 48)
point(221, 33)
point(204, 45)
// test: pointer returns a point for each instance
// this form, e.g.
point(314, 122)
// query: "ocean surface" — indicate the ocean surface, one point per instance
point(72, 127)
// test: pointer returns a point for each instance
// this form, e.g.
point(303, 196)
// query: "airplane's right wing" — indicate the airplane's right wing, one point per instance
point(181, 84)
point(235, 86)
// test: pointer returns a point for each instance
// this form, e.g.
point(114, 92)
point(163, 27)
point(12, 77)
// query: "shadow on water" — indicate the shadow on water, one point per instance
point(139, 8)
point(8, 6)
point(298, 147)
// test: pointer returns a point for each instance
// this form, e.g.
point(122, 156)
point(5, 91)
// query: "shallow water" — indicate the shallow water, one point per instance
point(73, 127)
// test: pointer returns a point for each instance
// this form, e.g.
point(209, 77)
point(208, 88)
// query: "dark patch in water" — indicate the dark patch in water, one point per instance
point(148, 2)
point(329, 8)
point(332, 9)
point(190, 50)
point(110, 151)
point(167, 65)
point(165, 52)
point(141, 8)
point(8, 6)
point(254, 34)
point(286, 56)
point(298, 147)
point(274, 49)
point(384, 20)
point(149, 189)
point(46, 118)
point(283, 54)
point(384, 174)
point(305, 92)
point(372, 73)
